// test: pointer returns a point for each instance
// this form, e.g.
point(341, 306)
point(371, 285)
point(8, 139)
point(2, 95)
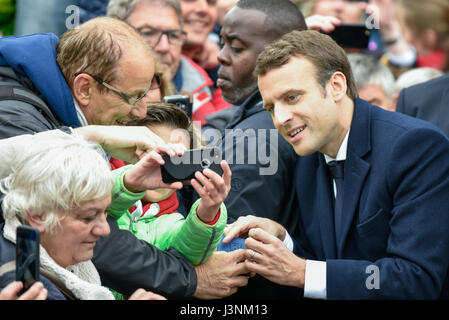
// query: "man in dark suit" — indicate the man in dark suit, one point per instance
point(378, 229)
point(428, 101)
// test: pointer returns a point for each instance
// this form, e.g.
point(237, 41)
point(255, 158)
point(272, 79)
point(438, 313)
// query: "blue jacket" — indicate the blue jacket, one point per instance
point(34, 57)
point(395, 210)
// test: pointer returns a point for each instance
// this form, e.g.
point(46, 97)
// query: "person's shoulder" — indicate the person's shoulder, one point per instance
point(427, 88)
point(402, 122)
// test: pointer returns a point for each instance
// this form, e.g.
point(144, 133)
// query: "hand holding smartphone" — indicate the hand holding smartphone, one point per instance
point(351, 35)
point(27, 256)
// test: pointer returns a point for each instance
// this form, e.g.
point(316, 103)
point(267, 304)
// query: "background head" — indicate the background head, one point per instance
point(247, 29)
point(349, 11)
point(114, 52)
point(425, 24)
point(51, 183)
point(150, 18)
point(375, 82)
point(199, 18)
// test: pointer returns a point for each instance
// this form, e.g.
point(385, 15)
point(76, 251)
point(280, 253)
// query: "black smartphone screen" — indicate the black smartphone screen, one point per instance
point(27, 256)
point(351, 35)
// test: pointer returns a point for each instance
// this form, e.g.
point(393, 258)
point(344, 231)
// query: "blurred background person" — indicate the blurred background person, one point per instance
point(199, 18)
point(375, 82)
point(425, 25)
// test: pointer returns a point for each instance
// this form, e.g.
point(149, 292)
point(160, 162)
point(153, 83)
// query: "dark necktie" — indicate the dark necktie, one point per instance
point(337, 169)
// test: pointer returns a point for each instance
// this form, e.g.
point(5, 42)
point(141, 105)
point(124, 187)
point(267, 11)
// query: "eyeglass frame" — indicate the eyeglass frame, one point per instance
point(162, 32)
point(130, 100)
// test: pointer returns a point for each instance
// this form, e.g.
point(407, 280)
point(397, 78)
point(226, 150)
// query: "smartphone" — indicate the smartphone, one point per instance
point(183, 168)
point(351, 35)
point(182, 101)
point(27, 256)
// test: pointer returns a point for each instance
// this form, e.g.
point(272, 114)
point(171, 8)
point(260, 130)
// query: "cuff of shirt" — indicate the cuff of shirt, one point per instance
point(315, 280)
point(288, 241)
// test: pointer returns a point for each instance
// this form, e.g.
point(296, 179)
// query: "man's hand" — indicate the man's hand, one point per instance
point(146, 174)
point(221, 275)
point(322, 23)
point(269, 257)
point(122, 142)
point(35, 292)
point(244, 224)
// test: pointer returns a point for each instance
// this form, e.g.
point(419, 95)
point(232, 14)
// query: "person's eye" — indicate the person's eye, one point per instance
point(90, 219)
point(236, 50)
point(293, 97)
point(148, 33)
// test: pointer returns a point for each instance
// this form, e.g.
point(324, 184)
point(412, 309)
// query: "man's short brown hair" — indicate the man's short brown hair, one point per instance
point(96, 47)
point(323, 52)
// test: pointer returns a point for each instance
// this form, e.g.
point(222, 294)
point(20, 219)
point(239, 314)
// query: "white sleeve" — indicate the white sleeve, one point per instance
point(315, 280)
point(288, 241)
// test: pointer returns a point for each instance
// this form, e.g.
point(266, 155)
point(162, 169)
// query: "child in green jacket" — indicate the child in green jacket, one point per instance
point(154, 218)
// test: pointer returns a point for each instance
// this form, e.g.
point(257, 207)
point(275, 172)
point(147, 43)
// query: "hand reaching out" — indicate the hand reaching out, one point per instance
point(212, 189)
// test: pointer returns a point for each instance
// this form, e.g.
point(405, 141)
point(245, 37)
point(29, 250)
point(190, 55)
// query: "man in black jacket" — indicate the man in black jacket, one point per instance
point(102, 73)
point(261, 161)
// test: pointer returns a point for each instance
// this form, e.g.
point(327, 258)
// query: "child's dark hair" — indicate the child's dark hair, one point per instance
point(159, 113)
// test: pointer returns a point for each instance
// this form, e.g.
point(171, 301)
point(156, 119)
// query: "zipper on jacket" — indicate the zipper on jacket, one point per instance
point(214, 231)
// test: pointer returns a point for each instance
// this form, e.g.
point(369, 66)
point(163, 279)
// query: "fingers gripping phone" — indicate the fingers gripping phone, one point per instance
point(27, 256)
point(183, 168)
point(351, 35)
point(182, 101)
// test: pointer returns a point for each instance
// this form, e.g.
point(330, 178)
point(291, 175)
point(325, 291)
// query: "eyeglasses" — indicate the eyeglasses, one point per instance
point(154, 35)
point(155, 84)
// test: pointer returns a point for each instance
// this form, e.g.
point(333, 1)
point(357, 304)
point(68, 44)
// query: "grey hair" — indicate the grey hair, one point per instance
point(368, 70)
point(122, 9)
point(54, 173)
point(415, 76)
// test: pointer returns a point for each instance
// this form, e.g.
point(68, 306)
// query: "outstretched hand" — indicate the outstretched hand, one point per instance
point(241, 227)
point(212, 189)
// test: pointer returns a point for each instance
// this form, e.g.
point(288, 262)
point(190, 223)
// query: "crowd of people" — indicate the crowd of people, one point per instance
point(334, 160)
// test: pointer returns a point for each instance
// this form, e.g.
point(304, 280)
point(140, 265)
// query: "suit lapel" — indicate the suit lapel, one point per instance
point(356, 168)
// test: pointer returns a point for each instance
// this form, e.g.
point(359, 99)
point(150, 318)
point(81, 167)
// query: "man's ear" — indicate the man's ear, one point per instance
point(36, 221)
point(338, 86)
point(82, 89)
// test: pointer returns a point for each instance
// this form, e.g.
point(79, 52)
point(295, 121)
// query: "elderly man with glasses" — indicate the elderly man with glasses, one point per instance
point(159, 22)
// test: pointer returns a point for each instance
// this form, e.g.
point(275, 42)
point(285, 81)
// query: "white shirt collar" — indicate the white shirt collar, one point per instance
point(80, 114)
point(341, 154)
